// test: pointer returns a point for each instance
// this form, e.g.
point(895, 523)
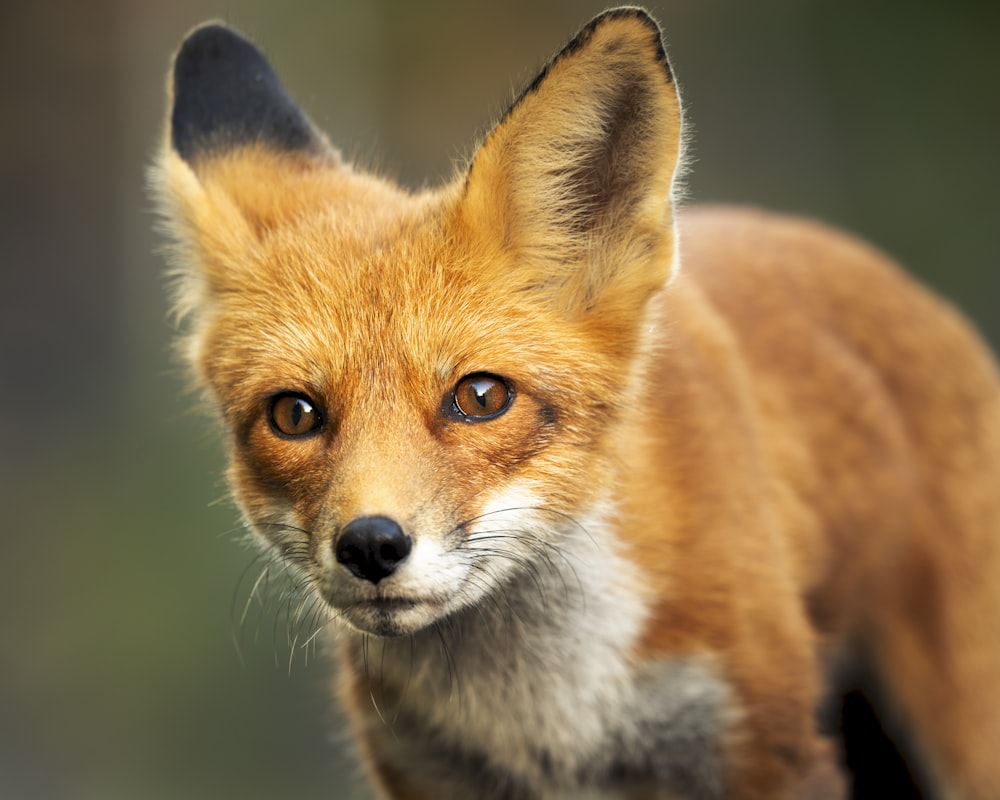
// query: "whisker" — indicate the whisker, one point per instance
point(371, 686)
point(453, 687)
point(406, 686)
point(293, 627)
point(240, 625)
point(489, 592)
point(538, 545)
point(277, 583)
point(253, 591)
point(318, 605)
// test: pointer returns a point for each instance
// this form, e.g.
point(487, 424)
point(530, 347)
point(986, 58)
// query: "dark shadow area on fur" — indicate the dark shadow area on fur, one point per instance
point(878, 769)
point(877, 753)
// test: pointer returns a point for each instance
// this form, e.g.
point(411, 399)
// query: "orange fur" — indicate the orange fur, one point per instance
point(712, 482)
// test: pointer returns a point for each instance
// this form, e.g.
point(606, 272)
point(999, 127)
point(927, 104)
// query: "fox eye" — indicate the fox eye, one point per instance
point(294, 415)
point(481, 396)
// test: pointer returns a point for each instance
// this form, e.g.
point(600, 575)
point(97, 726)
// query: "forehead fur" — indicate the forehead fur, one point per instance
point(367, 288)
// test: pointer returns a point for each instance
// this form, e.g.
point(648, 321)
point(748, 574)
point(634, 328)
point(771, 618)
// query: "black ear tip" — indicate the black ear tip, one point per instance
point(227, 94)
point(211, 31)
point(207, 32)
point(212, 46)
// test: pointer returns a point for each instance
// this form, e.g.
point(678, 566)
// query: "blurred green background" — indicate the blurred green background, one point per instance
point(120, 559)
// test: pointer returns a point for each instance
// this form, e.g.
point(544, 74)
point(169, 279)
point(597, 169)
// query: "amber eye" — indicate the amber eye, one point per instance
point(294, 415)
point(481, 396)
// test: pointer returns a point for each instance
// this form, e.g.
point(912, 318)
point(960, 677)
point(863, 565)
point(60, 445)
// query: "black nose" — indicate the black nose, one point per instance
point(372, 547)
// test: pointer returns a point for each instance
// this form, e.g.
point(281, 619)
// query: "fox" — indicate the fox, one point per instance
point(601, 493)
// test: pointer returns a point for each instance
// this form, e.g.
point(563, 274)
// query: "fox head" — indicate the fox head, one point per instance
point(421, 391)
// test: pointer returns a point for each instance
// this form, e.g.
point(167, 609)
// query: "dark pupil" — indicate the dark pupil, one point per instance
point(481, 397)
point(480, 389)
point(297, 412)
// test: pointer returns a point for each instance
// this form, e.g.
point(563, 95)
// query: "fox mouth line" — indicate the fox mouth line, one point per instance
point(377, 605)
point(388, 616)
point(384, 604)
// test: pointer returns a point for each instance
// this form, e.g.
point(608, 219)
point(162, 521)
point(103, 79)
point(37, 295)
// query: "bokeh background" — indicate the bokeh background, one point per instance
point(120, 559)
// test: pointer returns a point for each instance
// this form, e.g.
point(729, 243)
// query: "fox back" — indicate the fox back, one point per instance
point(611, 492)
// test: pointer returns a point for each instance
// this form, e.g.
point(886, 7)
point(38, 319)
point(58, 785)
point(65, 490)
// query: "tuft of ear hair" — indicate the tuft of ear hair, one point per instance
point(577, 178)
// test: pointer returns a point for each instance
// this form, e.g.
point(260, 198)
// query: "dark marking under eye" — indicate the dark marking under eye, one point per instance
point(548, 415)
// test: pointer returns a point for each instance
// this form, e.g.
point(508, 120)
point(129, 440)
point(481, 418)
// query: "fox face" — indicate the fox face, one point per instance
point(422, 391)
point(420, 460)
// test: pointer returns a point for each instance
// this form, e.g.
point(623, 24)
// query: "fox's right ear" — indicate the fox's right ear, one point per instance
point(238, 157)
point(575, 184)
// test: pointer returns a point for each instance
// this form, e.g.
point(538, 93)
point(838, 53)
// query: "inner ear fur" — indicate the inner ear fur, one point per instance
point(580, 170)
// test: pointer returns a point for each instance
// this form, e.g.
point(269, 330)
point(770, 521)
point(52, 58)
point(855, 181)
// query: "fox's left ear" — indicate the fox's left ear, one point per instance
point(238, 157)
point(225, 95)
point(576, 180)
